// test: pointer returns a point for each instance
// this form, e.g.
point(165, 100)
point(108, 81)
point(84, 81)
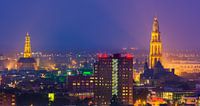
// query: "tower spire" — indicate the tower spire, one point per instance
point(155, 54)
point(155, 27)
point(27, 47)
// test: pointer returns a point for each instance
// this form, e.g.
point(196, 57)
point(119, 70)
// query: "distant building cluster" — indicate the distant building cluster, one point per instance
point(183, 61)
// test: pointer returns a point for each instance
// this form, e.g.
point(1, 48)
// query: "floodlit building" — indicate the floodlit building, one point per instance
point(27, 62)
point(184, 66)
point(113, 76)
point(155, 53)
point(154, 72)
point(191, 101)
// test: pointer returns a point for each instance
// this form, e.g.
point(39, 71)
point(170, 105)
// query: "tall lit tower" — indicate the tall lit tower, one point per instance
point(155, 44)
point(27, 47)
point(27, 62)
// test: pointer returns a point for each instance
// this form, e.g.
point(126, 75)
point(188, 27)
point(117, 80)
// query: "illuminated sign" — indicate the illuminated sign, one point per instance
point(51, 97)
point(87, 73)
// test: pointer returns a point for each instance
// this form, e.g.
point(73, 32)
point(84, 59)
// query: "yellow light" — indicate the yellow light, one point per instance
point(51, 96)
point(13, 104)
point(27, 47)
point(168, 95)
point(69, 73)
point(155, 54)
point(74, 62)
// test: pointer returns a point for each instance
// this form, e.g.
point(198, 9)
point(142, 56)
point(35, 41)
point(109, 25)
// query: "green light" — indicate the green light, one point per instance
point(87, 73)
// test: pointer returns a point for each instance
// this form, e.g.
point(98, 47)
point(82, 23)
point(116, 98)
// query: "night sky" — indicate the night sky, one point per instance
point(98, 24)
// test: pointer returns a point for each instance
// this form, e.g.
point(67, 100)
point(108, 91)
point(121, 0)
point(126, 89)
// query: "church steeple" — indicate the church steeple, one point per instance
point(155, 44)
point(27, 47)
point(155, 27)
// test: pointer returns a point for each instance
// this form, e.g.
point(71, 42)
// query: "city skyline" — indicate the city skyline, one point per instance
point(96, 25)
point(99, 53)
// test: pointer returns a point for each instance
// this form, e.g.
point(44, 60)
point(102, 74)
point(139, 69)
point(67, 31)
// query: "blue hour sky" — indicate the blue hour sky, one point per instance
point(98, 24)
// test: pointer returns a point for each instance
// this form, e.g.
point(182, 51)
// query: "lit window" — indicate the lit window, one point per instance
point(13, 104)
point(13, 100)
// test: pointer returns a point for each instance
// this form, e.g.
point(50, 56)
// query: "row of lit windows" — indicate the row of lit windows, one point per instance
point(126, 88)
point(126, 94)
point(190, 66)
point(125, 75)
point(124, 91)
point(93, 78)
point(81, 94)
point(81, 84)
point(102, 84)
point(103, 81)
point(1, 100)
point(120, 62)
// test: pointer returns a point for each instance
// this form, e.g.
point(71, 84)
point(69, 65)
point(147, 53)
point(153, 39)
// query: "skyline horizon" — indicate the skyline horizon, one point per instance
point(113, 50)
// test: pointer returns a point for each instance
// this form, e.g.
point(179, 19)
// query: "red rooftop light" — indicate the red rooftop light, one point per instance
point(129, 56)
point(99, 55)
point(102, 55)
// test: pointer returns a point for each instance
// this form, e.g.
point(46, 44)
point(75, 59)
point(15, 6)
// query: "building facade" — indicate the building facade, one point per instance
point(81, 86)
point(7, 99)
point(155, 73)
point(184, 62)
point(113, 76)
point(155, 53)
point(27, 62)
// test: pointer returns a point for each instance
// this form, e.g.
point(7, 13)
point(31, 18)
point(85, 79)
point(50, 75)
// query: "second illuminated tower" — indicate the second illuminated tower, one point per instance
point(155, 53)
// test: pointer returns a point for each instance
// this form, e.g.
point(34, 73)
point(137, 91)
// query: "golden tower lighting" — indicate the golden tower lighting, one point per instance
point(27, 62)
point(27, 47)
point(155, 54)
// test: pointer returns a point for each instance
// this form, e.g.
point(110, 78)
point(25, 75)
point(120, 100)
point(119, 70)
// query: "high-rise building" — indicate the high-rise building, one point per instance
point(113, 76)
point(27, 62)
point(155, 53)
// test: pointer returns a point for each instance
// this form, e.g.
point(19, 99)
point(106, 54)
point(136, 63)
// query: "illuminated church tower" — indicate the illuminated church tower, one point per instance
point(27, 62)
point(155, 45)
point(27, 47)
point(154, 73)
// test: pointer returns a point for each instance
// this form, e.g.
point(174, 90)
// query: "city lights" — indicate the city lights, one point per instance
point(99, 53)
